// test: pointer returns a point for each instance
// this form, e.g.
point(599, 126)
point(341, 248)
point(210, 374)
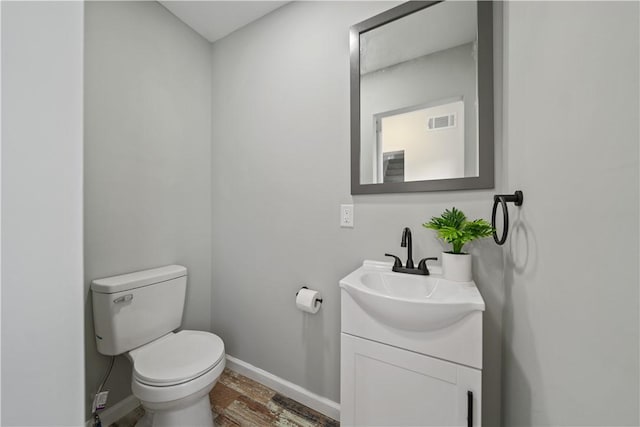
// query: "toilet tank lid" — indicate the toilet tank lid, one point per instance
point(125, 282)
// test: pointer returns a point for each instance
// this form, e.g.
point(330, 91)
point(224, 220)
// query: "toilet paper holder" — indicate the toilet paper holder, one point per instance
point(304, 287)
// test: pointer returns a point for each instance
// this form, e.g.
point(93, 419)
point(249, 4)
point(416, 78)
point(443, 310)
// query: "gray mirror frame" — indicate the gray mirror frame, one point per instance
point(485, 178)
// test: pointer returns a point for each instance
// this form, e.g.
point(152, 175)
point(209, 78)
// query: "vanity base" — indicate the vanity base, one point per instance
point(382, 385)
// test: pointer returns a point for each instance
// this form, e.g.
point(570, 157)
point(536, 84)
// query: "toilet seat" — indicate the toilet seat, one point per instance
point(176, 358)
point(182, 366)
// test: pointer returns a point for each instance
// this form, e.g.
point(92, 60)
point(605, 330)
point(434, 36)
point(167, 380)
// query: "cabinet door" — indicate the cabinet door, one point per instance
point(383, 385)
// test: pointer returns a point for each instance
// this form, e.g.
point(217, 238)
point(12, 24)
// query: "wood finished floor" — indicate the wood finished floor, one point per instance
point(239, 401)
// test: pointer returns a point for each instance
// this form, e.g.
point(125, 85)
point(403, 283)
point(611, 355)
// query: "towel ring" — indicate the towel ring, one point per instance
point(502, 199)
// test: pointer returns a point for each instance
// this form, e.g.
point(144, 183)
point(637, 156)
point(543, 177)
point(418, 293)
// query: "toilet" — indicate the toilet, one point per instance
point(137, 314)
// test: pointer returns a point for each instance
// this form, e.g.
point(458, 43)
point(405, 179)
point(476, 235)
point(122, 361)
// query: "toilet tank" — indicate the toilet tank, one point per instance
point(136, 308)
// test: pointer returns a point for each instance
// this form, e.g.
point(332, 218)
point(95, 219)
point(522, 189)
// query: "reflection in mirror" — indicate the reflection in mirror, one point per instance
point(419, 109)
point(409, 71)
point(432, 143)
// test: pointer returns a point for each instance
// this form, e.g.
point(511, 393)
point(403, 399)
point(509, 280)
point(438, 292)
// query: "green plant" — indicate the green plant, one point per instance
point(452, 227)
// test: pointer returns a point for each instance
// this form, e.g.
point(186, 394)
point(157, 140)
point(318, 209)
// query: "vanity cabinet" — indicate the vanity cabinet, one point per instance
point(384, 385)
point(397, 377)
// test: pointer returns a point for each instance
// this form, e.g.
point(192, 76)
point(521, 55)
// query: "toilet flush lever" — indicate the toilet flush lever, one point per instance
point(123, 298)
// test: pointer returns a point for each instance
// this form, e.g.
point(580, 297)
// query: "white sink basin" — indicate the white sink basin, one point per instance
point(411, 302)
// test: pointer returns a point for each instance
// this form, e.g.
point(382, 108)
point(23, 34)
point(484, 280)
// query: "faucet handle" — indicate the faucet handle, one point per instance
point(396, 262)
point(422, 265)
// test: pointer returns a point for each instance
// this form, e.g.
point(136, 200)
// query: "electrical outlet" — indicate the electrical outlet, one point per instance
point(346, 216)
point(100, 401)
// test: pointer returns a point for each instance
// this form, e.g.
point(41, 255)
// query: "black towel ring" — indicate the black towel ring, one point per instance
point(516, 198)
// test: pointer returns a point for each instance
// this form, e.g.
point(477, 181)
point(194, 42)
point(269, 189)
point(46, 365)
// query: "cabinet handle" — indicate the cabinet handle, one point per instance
point(469, 408)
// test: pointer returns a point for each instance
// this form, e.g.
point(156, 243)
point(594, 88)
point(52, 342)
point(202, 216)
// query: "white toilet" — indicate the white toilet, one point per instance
point(173, 372)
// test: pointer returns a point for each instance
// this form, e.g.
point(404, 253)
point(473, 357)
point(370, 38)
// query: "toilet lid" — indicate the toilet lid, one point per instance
point(177, 358)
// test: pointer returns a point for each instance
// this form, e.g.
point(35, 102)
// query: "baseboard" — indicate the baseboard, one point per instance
point(117, 411)
point(321, 404)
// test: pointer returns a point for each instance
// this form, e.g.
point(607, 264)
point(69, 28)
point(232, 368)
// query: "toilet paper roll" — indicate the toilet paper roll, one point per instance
point(307, 300)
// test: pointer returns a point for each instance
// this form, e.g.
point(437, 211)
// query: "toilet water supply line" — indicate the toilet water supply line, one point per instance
point(94, 408)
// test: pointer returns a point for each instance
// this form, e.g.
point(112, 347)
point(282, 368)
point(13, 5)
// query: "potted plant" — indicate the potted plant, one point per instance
point(453, 227)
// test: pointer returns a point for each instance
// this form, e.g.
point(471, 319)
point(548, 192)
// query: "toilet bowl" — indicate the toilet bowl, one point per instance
point(137, 314)
point(173, 375)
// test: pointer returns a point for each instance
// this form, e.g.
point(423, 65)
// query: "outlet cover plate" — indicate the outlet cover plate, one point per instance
point(346, 216)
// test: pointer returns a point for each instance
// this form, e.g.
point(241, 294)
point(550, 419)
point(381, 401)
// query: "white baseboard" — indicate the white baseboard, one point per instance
point(286, 388)
point(117, 411)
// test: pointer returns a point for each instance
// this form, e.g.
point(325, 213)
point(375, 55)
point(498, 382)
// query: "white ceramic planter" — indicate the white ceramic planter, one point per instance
point(456, 267)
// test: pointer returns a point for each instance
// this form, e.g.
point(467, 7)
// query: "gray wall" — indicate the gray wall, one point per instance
point(42, 337)
point(280, 171)
point(147, 158)
point(571, 275)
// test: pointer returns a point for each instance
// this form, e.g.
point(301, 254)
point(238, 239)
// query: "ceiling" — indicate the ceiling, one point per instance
point(216, 19)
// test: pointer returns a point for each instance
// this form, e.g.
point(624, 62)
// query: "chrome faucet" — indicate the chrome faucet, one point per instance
point(409, 268)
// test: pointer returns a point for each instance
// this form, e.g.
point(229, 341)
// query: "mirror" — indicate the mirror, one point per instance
point(422, 98)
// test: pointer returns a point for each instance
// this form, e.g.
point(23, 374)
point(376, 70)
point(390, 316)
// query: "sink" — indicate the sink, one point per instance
point(411, 302)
